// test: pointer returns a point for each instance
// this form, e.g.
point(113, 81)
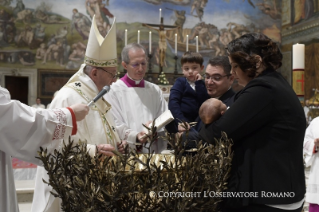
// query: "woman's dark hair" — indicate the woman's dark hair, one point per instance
point(243, 49)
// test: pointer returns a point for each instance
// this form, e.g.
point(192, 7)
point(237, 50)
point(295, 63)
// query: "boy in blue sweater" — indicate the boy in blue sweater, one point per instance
point(188, 92)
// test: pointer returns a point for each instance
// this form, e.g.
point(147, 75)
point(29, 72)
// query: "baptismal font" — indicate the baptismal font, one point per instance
point(178, 181)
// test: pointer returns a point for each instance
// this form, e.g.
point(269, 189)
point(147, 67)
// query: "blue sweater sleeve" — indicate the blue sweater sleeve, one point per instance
point(175, 99)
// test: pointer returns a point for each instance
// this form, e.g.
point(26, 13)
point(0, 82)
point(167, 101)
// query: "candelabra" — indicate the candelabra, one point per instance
point(175, 58)
point(149, 63)
point(149, 74)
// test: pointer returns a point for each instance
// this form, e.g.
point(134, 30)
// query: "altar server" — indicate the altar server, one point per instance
point(23, 130)
point(311, 156)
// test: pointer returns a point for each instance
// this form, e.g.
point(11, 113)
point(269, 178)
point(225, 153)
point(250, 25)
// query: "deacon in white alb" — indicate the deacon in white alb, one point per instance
point(98, 128)
point(23, 130)
point(136, 101)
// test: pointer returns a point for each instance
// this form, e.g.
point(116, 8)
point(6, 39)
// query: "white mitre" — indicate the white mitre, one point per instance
point(101, 52)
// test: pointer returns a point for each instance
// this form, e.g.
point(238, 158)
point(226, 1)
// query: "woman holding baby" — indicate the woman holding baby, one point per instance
point(267, 124)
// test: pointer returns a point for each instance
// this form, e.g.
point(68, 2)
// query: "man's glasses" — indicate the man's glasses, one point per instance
point(215, 77)
point(137, 65)
point(114, 76)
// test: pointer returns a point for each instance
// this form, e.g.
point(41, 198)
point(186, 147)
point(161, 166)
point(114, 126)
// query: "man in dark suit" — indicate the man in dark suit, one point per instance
point(218, 81)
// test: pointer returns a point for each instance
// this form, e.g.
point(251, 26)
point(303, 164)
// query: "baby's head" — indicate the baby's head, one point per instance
point(211, 110)
point(192, 64)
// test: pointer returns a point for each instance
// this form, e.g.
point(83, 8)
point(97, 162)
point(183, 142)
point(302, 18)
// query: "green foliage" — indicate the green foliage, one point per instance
point(115, 184)
point(162, 79)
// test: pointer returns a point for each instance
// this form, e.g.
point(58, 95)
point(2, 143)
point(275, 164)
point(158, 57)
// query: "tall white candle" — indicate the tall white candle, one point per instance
point(298, 56)
point(175, 44)
point(125, 37)
point(138, 36)
point(150, 42)
point(186, 42)
point(160, 14)
point(196, 43)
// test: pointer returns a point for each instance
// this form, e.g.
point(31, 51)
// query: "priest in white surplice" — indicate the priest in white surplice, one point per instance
point(23, 130)
point(98, 128)
point(134, 100)
point(311, 158)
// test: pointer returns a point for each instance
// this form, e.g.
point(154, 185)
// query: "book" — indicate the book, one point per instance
point(164, 119)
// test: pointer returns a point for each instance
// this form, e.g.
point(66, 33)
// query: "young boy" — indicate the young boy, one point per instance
point(211, 110)
point(188, 92)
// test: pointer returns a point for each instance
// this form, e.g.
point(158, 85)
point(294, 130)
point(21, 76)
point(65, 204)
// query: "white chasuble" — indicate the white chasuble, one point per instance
point(23, 130)
point(134, 106)
point(98, 127)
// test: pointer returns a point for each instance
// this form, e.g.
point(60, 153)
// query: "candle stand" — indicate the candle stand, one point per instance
point(149, 63)
point(175, 58)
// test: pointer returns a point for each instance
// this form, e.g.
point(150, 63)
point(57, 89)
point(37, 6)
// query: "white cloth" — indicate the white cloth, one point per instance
point(134, 106)
point(312, 132)
point(23, 130)
point(92, 129)
point(38, 106)
point(308, 118)
point(306, 109)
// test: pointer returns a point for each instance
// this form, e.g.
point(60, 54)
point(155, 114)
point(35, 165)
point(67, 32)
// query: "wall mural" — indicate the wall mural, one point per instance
point(53, 34)
point(298, 12)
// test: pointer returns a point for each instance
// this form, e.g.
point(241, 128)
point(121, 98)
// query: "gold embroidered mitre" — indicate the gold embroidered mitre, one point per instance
point(101, 52)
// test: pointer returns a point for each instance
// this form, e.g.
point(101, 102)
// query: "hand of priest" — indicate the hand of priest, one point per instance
point(80, 111)
point(141, 137)
point(105, 149)
point(121, 146)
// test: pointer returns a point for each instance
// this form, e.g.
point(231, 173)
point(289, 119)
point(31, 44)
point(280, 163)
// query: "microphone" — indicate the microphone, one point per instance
point(104, 90)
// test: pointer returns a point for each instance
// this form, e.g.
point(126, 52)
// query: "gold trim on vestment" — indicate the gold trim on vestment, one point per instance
point(101, 106)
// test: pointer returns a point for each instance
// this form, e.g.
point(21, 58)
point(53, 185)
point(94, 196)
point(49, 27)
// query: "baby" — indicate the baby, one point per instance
point(211, 110)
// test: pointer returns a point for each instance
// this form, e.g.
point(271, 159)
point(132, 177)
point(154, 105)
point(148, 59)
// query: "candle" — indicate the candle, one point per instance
point(196, 43)
point(150, 42)
point(160, 14)
point(125, 37)
point(186, 42)
point(175, 44)
point(138, 36)
point(298, 56)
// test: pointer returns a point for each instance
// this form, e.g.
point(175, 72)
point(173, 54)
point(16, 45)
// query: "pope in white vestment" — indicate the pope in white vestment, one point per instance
point(23, 130)
point(134, 100)
point(98, 127)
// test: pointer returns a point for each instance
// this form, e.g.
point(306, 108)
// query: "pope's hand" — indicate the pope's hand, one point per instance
point(105, 149)
point(121, 146)
point(80, 111)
